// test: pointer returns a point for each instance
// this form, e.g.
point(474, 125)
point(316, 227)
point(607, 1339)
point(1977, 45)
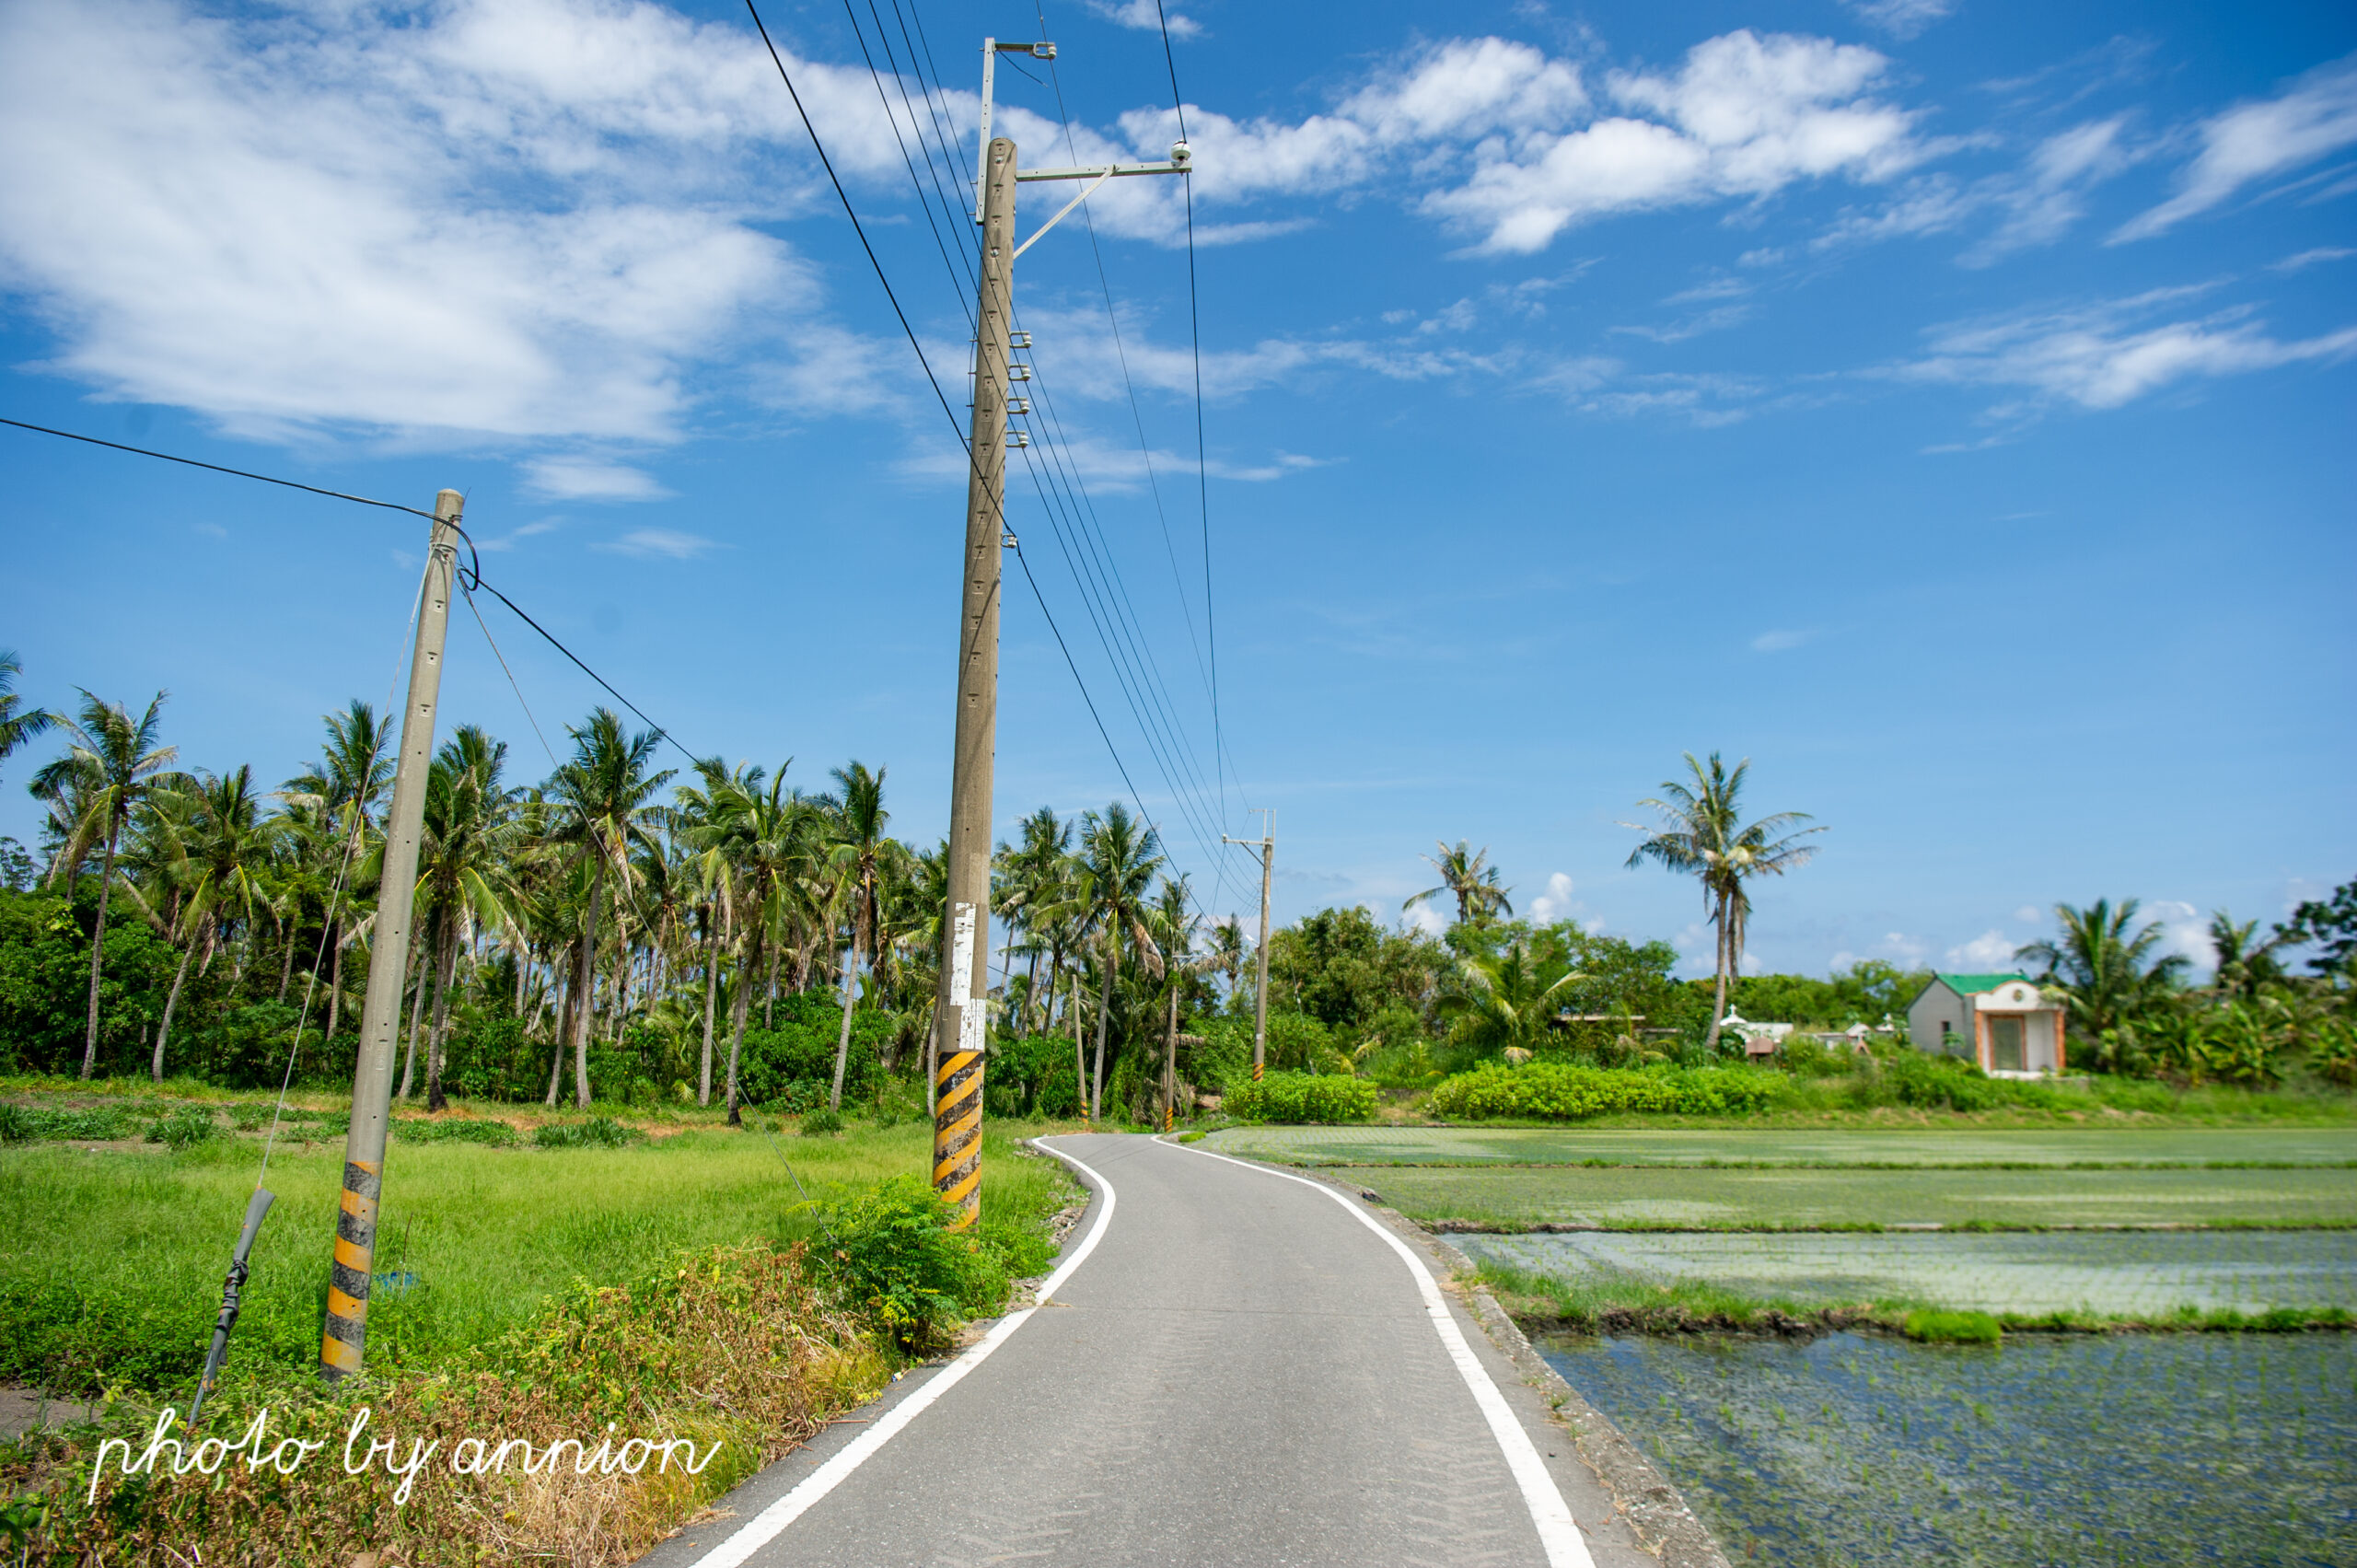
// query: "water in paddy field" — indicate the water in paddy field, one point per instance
point(2053, 1449)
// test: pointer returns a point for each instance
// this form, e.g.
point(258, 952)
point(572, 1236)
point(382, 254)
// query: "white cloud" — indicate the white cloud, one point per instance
point(2100, 356)
point(2183, 932)
point(2307, 259)
point(1426, 919)
point(1900, 18)
point(1777, 642)
point(666, 543)
point(1989, 951)
point(2317, 114)
point(589, 479)
point(2028, 915)
point(1145, 16)
point(2049, 194)
point(1556, 903)
point(1743, 117)
point(522, 220)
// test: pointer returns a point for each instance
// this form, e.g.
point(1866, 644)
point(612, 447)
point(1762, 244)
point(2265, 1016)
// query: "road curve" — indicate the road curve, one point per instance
point(1241, 1371)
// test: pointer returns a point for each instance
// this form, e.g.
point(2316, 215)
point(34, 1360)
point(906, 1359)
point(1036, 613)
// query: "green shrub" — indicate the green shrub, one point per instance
point(900, 1266)
point(1952, 1328)
point(185, 1128)
point(497, 1135)
point(20, 1123)
point(1302, 1098)
point(1562, 1092)
point(1933, 1083)
point(821, 1123)
point(598, 1133)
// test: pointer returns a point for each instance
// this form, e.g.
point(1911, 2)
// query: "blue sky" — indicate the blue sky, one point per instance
point(1947, 406)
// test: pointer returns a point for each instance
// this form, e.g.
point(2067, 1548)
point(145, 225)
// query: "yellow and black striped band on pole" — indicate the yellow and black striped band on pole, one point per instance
point(356, 1249)
point(1256, 1072)
point(958, 1133)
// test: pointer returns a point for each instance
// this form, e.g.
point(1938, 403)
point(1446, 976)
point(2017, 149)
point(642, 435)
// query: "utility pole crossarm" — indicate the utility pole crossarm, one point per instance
point(1108, 171)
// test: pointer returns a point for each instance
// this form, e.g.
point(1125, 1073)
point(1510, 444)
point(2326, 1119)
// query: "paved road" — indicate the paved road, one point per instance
point(1241, 1372)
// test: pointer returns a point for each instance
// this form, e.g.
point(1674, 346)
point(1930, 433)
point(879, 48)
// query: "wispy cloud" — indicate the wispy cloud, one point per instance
point(1992, 949)
point(1145, 16)
point(667, 542)
point(2315, 116)
point(1900, 18)
point(2102, 355)
point(2306, 259)
point(1777, 641)
point(589, 479)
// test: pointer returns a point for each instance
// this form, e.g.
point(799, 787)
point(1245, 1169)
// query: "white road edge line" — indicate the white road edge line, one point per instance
point(765, 1526)
point(1548, 1513)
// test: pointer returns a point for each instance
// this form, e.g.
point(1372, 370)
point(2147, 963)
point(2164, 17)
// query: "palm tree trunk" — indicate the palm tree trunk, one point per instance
point(736, 1024)
point(286, 965)
point(769, 992)
point(172, 1001)
point(842, 1041)
point(97, 952)
point(1079, 1051)
point(711, 1000)
point(435, 1043)
point(1719, 962)
point(563, 1035)
point(1104, 1020)
point(584, 986)
point(416, 1016)
point(335, 978)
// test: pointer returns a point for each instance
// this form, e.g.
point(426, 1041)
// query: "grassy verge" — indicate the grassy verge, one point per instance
point(1606, 1304)
point(686, 1287)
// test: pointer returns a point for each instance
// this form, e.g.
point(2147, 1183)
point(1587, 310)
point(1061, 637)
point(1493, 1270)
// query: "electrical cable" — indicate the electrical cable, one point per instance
point(217, 468)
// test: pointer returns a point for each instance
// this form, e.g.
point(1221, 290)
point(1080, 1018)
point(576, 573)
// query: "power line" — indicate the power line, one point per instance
point(217, 468)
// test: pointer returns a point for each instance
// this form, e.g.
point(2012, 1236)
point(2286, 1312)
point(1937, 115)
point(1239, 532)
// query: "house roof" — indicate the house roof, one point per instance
point(1973, 984)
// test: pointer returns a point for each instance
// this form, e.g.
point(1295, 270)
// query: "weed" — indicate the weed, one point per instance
point(822, 1124)
point(491, 1134)
point(185, 1128)
point(598, 1133)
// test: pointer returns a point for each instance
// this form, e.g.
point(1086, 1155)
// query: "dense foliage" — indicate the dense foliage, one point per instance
point(1563, 1092)
point(1302, 1098)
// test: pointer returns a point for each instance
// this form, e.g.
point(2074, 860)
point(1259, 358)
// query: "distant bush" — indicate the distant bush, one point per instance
point(1302, 1098)
point(821, 1123)
point(1557, 1092)
point(598, 1133)
point(1936, 1083)
point(497, 1135)
point(792, 1067)
point(185, 1128)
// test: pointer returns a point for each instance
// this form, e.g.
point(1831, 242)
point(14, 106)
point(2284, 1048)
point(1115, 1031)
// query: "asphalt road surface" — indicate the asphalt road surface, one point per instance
point(1238, 1369)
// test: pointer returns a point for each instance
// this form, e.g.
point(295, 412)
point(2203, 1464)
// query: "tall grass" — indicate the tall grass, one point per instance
point(112, 1261)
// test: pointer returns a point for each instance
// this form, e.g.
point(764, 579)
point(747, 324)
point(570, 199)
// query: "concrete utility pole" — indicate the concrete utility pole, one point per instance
point(380, 1020)
point(1261, 990)
point(961, 1013)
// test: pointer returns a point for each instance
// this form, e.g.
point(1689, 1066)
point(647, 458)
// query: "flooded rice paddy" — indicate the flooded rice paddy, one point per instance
point(2135, 1275)
point(2069, 1450)
point(1926, 1146)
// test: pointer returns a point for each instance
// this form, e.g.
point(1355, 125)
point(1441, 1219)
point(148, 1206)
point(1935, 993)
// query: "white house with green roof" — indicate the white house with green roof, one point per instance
point(2003, 1021)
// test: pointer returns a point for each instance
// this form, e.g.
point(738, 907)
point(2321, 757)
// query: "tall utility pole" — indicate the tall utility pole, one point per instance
point(1261, 990)
point(962, 1011)
point(380, 1020)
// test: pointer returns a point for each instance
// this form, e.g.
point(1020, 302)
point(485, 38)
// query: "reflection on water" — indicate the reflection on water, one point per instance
point(2050, 1449)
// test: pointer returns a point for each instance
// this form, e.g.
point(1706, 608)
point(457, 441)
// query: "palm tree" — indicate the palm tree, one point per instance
point(1703, 835)
point(1228, 951)
point(2103, 968)
point(226, 845)
point(109, 766)
point(353, 771)
point(599, 795)
point(1124, 854)
point(463, 853)
point(859, 818)
point(17, 724)
point(2246, 960)
point(1470, 879)
point(1507, 1000)
point(699, 818)
point(764, 833)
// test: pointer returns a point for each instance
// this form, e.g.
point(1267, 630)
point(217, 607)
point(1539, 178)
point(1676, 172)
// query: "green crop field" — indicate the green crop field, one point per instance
point(1774, 1197)
point(115, 1257)
point(1928, 1146)
point(2140, 1275)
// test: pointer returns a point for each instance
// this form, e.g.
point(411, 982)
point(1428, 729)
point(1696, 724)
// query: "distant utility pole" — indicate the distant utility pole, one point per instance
point(381, 1018)
point(1260, 992)
point(961, 1015)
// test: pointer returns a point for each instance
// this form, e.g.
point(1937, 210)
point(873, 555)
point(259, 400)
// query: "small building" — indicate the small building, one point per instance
point(2002, 1021)
point(1759, 1040)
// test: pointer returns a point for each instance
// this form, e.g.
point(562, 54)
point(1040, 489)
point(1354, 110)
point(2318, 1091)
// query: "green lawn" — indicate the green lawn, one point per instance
point(1638, 1197)
point(1918, 1146)
point(116, 1256)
